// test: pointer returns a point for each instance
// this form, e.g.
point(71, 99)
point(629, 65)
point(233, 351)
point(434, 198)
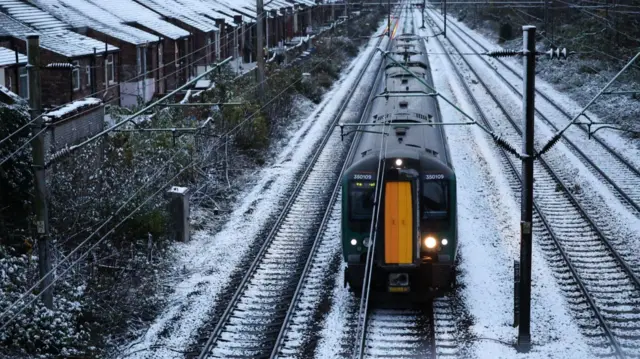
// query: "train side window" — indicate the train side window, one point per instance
point(405, 81)
point(404, 105)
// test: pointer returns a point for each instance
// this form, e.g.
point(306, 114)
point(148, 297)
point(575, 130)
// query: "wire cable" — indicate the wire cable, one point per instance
point(75, 250)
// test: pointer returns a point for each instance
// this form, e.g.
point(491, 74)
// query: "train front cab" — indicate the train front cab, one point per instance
point(416, 240)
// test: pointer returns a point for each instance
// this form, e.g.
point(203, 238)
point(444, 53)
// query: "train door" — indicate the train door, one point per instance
point(398, 223)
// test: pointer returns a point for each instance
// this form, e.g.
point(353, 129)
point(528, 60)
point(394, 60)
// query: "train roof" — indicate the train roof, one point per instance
point(408, 111)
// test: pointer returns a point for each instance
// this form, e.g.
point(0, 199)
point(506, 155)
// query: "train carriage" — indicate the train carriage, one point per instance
point(405, 152)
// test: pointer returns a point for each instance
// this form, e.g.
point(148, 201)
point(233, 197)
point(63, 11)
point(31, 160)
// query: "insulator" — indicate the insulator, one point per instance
point(504, 53)
point(557, 53)
point(59, 154)
point(549, 144)
point(505, 145)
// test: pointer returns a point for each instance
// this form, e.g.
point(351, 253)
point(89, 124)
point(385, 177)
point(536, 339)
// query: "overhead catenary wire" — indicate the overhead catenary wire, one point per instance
point(556, 137)
point(8, 157)
point(110, 87)
point(369, 262)
point(138, 113)
point(111, 231)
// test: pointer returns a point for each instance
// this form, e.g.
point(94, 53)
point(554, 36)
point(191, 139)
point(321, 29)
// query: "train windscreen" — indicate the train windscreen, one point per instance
point(435, 200)
point(361, 199)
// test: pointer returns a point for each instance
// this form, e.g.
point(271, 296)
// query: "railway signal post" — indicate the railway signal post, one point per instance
point(529, 62)
point(260, 52)
point(389, 18)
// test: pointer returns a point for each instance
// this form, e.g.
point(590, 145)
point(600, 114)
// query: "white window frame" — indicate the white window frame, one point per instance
point(88, 71)
point(75, 74)
point(109, 69)
point(20, 76)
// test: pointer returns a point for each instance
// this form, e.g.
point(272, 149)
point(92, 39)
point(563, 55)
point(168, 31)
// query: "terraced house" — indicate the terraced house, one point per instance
point(130, 51)
point(68, 57)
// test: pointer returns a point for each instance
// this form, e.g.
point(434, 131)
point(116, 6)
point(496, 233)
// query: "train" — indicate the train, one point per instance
point(399, 186)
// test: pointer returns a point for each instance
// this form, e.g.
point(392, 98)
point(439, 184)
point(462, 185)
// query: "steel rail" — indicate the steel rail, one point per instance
point(589, 161)
point(608, 332)
point(573, 199)
point(280, 340)
point(276, 226)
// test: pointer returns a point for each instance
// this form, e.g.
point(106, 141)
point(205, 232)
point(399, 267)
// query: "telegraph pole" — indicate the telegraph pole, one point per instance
point(529, 62)
point(445, 18)
point(40, 194)
point(389, 18)
point(423, 7)
point(260, 16)
point(346, 13)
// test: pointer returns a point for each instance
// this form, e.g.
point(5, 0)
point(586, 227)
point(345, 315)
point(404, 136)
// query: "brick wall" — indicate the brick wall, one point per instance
point(74, 129)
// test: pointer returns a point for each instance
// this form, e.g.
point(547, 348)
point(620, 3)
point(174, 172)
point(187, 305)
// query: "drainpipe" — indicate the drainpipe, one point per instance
point(144, 71)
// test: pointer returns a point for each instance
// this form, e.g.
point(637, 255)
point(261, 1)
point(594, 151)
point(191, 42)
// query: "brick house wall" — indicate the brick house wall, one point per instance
point(202, 55)
point(224, 39)
point(57, 84)
point(170, 73)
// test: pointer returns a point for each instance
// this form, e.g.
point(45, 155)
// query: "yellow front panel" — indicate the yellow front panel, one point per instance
point(398, 221)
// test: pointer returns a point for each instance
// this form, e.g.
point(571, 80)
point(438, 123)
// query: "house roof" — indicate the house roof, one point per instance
point(181, 10)
point(213, 9)
point(8, 57)
point(80, 14)
point(134, 13)
point(248, 7)
point(54, 34)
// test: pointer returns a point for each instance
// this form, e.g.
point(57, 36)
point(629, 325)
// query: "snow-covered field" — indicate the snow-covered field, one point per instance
point(205, 264)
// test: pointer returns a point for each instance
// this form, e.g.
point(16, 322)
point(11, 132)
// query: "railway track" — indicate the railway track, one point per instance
point(610, 166)
point(250, 324)
point(391, 334)
point(599, 284)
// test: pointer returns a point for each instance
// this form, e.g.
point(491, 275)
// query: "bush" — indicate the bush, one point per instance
point(16, 178)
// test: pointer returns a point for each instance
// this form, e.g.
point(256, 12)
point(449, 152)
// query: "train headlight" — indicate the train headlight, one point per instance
point(354, 242)
point(399, 162)
point(366, 242)
point(430, 242)
point(444, 242)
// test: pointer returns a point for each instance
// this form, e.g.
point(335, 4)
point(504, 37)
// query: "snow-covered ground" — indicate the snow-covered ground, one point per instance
point(205, 264)
point(489, 243)
point(611, 211)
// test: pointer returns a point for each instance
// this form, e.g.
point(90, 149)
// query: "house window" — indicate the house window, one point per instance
point(88, 70)
point(75, 76)
point(110, 70)
point(24, 83)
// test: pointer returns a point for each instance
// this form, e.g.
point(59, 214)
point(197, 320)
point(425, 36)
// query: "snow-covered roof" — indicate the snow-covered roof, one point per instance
point(54, 34)
point(8, 57)
point(80, 14)
point(212, 9)
point(248, 7)
point(8, 97)
point(183, 11)
point(132, 12)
